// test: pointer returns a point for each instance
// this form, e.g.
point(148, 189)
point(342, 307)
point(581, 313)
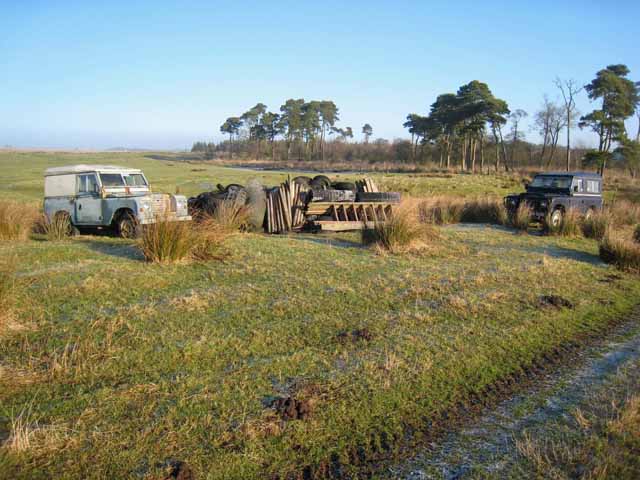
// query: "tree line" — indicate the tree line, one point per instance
point(470, 130)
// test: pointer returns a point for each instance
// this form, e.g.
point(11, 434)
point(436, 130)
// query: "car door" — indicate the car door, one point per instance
point(88, 201)
point(578, 200)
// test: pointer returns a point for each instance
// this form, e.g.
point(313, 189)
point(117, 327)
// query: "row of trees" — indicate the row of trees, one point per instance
point(471, 130)
point(459, 123)
point(303, 126)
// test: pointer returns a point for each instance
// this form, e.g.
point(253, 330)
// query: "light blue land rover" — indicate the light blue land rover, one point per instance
point(107, 197)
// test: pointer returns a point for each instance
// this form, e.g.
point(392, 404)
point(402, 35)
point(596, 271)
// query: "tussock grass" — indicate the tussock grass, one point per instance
point(167, 241)
point(569, 226)
point(7, 289)
point(232, 216)
point(401, 233)
point(636, 234)
point(620, 251)
point(624, 212)
point(596, 225)
point(16, 220)
point(521, 218)
point(54, 229)
point(441, 210)
point(484, 210)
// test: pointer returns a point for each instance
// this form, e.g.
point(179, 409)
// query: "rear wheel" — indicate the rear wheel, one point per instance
point(127, 226)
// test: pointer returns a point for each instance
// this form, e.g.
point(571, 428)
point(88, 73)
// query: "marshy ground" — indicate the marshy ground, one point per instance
point(301, 355)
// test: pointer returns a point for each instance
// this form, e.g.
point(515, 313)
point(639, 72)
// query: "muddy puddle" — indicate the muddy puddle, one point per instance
point(485, 448)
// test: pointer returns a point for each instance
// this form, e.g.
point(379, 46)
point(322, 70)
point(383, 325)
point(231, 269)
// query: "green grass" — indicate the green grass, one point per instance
point(115, 366)
point(132, 363)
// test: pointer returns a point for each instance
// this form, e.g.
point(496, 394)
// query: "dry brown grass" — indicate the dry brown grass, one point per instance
point(55, 229)
point(441, 210)
point(166, 241)
point(569, 226)
point(484, 210)
point(624, 212)
point(636, 234)
point(621, 251)
point(521, 218)
point(232, 216)
point(402, 233)
point(597, 224)
point(16, 220)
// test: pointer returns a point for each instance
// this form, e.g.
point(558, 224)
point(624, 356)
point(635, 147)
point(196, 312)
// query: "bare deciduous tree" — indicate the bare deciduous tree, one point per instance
point(569, 89)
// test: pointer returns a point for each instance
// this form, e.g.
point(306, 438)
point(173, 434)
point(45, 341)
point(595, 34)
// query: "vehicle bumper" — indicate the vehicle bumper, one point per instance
point(170, 218)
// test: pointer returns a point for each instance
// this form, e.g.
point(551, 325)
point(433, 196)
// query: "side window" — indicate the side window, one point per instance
point(593, 186)
point(87, 183)
point(578, 182)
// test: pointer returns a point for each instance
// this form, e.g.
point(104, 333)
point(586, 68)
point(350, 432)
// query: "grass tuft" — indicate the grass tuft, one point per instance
point(16, 220)
point(56, 229)
point(441, 210)
point(596, 225)
point(401, 233)
point(484, 210)
point(624, 212)
point(168, 241)
point(620, 251)
point(521, 218)
point(232, 216)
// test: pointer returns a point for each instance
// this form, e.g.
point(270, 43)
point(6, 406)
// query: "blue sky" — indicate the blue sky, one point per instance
point(158, 74)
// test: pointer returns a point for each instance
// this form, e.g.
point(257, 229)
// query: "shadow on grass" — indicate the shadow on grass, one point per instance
point(128, 251)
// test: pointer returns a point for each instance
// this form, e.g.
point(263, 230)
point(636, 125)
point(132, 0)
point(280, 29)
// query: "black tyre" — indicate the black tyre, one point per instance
point(320, 182)
point(127, 226)
point(391, 197)
point(344, 186)
point(302, 180)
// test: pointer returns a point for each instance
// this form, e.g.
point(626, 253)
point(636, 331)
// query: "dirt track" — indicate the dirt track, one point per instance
point(486, 447)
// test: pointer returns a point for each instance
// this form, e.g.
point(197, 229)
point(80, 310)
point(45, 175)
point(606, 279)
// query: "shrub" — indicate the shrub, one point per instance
point(521, 218)
point(402, 232)
point(16, 220)
point(569, 226)
point(484, 210)
point(596, 225)
point(168, 241)
point(620, 251)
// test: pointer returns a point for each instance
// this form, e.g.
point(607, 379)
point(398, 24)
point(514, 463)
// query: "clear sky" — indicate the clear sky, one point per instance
point(159, 74)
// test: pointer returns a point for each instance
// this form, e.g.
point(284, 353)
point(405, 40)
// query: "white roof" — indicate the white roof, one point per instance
point(89, 168)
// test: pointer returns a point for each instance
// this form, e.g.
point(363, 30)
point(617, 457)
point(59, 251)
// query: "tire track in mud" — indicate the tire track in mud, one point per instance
point(486, 446)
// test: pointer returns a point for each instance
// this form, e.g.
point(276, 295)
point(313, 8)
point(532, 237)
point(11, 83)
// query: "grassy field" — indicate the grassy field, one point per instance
point(297, 356)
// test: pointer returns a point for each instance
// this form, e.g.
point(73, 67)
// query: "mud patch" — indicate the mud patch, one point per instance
point(290, 408)
point(355, 336)
point(178, 470)
point(555, 301)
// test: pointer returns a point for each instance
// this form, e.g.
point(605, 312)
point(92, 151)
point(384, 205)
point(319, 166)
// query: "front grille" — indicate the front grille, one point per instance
point(161, 204)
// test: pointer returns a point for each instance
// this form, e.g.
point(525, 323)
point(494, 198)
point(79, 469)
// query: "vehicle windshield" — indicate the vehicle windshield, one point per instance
point(551, 181)
point(135, 180)
point(111, 180)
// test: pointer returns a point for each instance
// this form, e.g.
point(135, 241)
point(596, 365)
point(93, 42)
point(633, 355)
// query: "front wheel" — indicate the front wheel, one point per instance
point(127, 226)
point(556, 218)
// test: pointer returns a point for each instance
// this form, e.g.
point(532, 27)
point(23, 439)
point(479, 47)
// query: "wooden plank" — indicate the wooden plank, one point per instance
point(331, 226)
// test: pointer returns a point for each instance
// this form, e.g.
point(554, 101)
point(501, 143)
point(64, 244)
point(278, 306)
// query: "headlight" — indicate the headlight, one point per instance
point(144, 207)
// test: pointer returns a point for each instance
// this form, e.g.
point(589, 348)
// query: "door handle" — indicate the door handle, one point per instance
point(79, 206)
